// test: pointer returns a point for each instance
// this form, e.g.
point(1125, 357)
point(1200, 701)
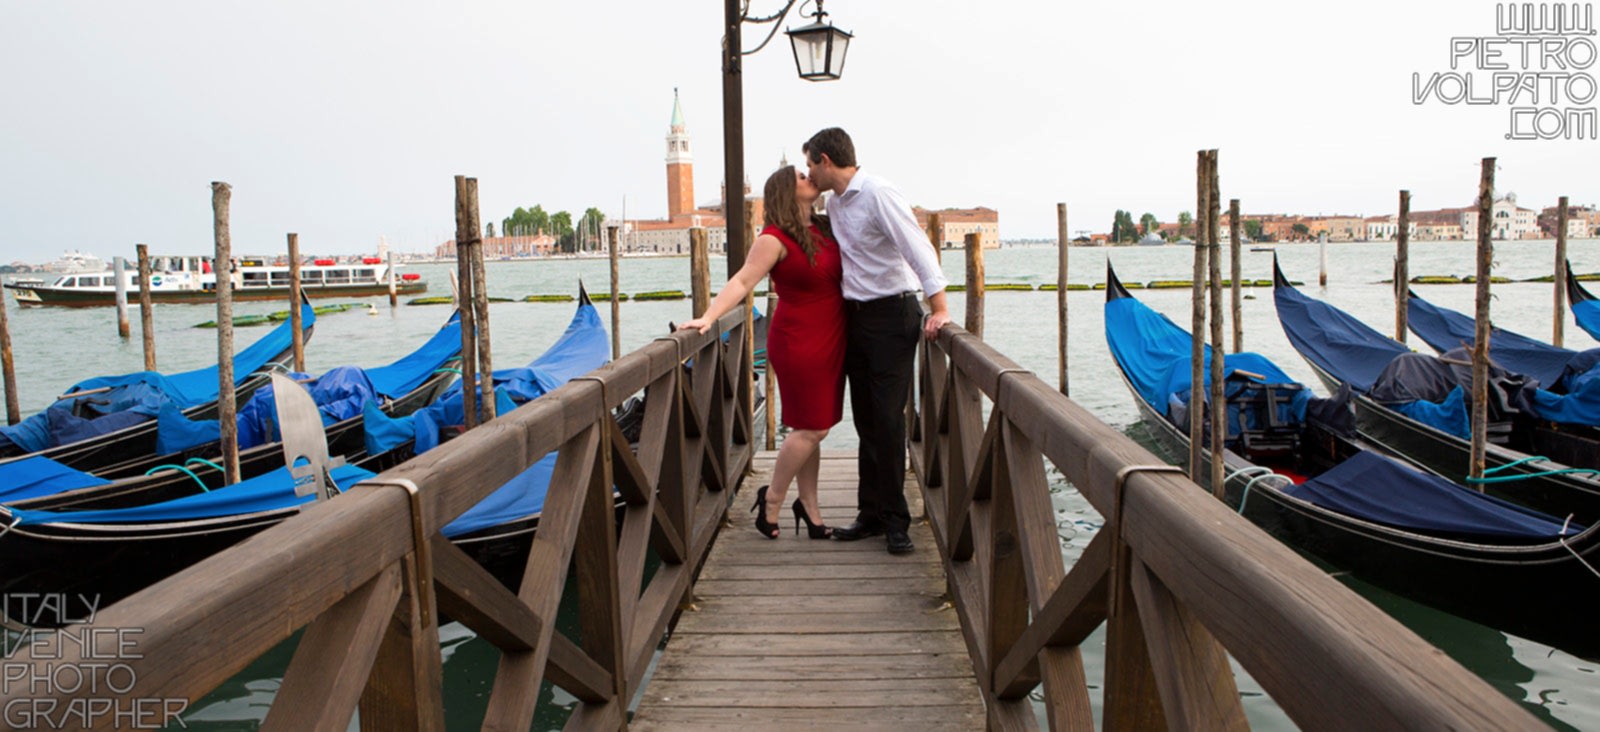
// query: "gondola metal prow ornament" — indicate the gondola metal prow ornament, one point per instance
point(300, 423)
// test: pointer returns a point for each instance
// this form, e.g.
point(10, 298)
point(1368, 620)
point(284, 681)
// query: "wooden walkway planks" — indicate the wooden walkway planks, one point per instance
point(801, 634)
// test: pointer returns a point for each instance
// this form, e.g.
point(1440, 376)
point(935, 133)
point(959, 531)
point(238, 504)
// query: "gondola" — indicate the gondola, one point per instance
point(189, 449)
point(1295, 467)
point(1585, 307)
point(1343, 351)
point(104, 555)
point(110, 419)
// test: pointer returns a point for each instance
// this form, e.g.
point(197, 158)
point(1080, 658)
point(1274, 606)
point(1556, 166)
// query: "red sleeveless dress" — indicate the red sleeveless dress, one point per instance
point(806, 338)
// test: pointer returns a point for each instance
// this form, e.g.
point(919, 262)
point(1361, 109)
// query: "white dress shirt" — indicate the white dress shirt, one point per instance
point(885, 252)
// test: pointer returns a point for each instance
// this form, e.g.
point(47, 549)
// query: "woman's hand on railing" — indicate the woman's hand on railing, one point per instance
point(701, 324)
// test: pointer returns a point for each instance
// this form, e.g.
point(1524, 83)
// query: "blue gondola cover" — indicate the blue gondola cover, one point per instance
point(1379, 490)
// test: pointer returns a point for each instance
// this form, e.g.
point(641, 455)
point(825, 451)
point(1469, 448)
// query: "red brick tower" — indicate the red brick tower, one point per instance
point(680, 165)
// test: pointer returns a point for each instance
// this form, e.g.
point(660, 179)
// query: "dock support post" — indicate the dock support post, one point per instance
point(147, 314)
point(699, 270)
point(466, 238)
point(1197, 319)
point(1402, 269)
point(8, 366)
point(1063, 241)
point(974, 242)
point(1480, 344)
point(1219, 431)
point(616, 307)
point(296, 319)
point(1322, 255)
point(222, 265)
point(1234, 273)
point(480, 304)
point(936, 235)
point(1558, 334)
point(119, 270)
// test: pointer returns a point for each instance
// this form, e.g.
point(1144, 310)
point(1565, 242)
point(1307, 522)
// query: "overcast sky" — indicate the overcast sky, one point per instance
point(346, 121)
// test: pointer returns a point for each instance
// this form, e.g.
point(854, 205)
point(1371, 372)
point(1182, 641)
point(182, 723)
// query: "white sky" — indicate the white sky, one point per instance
point(346, 121)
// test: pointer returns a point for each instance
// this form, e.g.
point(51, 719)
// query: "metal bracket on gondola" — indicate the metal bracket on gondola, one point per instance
point(420, 546)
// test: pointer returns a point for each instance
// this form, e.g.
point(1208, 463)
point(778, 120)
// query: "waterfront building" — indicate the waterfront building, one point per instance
point(956, 223)
point(1341, 228)
point(1581, 221)
point(1508, 220)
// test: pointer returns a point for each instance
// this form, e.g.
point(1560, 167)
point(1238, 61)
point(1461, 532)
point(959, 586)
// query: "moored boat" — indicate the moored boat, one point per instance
point(191, 279)
point(1584, 305)
point(102, 555)
point(1294, 467)
point(1342, 350)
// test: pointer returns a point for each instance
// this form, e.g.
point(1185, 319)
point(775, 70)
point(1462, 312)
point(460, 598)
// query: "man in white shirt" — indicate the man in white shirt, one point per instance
point(887, 257)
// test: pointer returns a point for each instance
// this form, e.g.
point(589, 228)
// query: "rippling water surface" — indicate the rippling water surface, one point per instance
point(56, 347)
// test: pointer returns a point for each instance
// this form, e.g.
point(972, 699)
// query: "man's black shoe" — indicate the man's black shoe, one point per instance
point(900, 542)
point(858, 530)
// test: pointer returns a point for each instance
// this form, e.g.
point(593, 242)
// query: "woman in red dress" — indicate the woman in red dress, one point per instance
point(805, 340)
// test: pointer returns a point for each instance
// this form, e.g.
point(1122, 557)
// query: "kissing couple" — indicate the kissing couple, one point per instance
point(849, 308)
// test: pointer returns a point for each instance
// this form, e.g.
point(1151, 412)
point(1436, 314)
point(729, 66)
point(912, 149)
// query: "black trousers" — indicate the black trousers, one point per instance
point(879, 360)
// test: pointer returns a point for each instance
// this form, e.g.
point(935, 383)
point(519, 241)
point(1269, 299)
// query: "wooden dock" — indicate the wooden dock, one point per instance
point(802, 634)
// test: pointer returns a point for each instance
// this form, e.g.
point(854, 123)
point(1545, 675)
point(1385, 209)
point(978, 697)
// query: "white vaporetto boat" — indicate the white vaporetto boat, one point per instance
point(191, 279)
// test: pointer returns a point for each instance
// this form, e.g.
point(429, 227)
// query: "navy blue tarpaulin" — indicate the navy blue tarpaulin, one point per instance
point(1446, 329)
point(1328, 337)
point(1376, 489)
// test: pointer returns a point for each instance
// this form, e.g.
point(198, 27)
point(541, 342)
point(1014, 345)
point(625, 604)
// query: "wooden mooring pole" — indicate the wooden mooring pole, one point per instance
point(1219, 408)
point(1402, 269)
point(1480, 344)
point(480, 304)
point(147, 310)
point(466, 237)
point(699, 270)
point(616, 307)
point(1234, 273)
point(8, 367)
point(1197, 319)
point(119, 270)
point(1558, 334)
point(1322, 256)
point(222, 266)
point(1063, 242)
point(296, 319)
point(974, 242)
point(394, 295)
point(936, 235)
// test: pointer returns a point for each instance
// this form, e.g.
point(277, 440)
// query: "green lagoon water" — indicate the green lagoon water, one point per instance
point(57, 347)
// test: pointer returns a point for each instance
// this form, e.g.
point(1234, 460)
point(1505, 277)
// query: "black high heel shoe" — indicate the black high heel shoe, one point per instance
point(767, 528)
point(815, 531)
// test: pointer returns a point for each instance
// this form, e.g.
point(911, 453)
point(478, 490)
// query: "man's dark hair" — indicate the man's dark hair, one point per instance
point(833, 142)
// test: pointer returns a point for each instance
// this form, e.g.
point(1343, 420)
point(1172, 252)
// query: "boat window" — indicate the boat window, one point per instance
point(280, 279)
point(365, 275)
point(337, 277)
point(311, 276)
point(254, 279)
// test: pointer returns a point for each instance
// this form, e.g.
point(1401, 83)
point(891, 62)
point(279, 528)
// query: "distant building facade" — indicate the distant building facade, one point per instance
point(505, 247)
point(956, 223)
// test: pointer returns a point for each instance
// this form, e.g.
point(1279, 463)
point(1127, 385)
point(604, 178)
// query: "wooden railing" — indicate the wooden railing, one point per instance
point(1181, 581)
point(368, 576)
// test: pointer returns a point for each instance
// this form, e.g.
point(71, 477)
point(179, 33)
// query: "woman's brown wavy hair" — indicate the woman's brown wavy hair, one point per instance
point(784, 211)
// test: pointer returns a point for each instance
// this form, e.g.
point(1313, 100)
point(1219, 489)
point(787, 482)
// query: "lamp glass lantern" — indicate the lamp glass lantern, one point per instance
point(819, 51)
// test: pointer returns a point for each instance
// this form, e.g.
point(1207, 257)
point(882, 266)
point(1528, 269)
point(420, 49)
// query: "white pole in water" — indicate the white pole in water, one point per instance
point(119, 270)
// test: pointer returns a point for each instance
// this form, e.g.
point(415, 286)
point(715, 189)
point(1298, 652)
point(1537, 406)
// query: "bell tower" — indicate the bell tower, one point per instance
point(680, 165)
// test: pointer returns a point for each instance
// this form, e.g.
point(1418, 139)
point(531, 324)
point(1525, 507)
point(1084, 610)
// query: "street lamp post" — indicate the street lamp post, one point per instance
point(819, 53)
